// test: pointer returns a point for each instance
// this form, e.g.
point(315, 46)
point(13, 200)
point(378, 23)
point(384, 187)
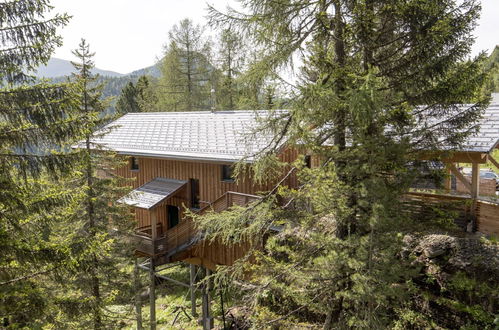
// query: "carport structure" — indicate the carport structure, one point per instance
point(477, 149)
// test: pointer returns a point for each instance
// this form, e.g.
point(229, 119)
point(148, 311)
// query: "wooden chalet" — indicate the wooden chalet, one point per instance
point(183, 160)
point(180, 161)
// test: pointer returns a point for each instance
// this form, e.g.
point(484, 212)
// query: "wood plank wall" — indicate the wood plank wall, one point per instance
point(488, 218)
point(209, 174)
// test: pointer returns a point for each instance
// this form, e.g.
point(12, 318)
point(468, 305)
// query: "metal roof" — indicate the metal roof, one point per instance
point(215, 136)
point(226, 136)
point(484, 140)
point(487, 137)
point(150, 194)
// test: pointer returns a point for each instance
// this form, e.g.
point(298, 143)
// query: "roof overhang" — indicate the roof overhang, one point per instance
point(152, 193)
point(190, 157)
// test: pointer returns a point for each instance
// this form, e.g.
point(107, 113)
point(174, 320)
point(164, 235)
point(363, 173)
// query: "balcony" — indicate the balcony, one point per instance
point(184, 234)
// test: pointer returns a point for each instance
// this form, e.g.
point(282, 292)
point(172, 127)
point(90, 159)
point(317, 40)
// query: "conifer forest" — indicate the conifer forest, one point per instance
point(285, 164)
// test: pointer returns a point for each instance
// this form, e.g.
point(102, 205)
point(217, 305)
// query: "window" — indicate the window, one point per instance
point(227, 173)
point(194, 184)
point(172, 216)
point(308, 161)
point(134, 164)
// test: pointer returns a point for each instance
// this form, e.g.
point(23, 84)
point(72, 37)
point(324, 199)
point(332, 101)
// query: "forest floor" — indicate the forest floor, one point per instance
point(173, 308)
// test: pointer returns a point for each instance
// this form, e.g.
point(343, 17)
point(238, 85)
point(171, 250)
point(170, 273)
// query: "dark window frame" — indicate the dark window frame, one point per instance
point(169, 216)
point(308, 161)
point(134, 164)
point(195, 198)
point(226, 173)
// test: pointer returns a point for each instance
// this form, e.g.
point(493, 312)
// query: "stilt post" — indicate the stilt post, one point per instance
point(192, 284)
point(152, 295)
point(207, 319)
point(138, 303)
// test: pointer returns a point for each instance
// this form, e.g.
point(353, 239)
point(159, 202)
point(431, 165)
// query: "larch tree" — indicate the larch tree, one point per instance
point(380, 82)
point(187, 74)
point(231, 60)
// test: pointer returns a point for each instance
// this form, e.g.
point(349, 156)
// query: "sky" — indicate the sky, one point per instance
point(128, 35)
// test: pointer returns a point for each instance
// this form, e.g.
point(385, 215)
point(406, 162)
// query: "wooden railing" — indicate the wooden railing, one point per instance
point(485, 214)
point(185, 234)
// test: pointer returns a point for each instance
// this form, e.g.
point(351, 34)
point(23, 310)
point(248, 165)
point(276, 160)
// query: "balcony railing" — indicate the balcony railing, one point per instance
point(185, 234)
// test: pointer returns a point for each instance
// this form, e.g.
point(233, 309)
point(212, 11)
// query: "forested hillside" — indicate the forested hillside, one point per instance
point(492, 66)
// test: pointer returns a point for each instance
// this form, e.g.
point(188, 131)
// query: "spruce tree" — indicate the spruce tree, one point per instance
point(99, 230)
point(37, 120)
point(378, 84)
point(138, 97)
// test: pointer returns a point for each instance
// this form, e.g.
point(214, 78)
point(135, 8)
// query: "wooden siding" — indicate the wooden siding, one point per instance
point(487, 213)
point(487, 221)
point(211, 185)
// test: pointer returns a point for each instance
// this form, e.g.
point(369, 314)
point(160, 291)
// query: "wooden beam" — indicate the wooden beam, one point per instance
point(466, 157)
point(154, 229)
point(493, 161)
point(448, 178)
point(207, 318)
point(475, 192)
point(455, 156)
point(152, 295)
point(459, 176)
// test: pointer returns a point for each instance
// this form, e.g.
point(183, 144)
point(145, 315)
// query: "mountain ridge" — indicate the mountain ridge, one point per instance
point(57, 67)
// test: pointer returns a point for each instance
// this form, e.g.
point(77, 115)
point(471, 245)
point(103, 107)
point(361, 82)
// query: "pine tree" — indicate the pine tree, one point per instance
point(187, 73)
point(374, 75)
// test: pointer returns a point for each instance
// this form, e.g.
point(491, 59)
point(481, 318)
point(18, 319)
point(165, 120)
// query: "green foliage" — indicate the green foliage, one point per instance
point(96, 280)
point(137, 97)
point(492, 67)
point(35, 118)
point(187, 74)
point(373, 72)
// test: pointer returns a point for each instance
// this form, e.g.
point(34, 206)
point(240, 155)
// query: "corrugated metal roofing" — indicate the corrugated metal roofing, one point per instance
point(218, 136)
point(484, 140)
point(487, 137)
point(152, 193)
point(225, 136)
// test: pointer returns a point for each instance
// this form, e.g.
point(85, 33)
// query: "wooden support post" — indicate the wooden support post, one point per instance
point(152, 295)
point(475, 193)
point(154, 231)
point(138, 303)
point(475, 180)
point(207, 319)
point(192, 285)
point(448, 178)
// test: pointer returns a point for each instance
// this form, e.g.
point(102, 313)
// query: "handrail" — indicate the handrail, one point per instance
point(185, 234)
